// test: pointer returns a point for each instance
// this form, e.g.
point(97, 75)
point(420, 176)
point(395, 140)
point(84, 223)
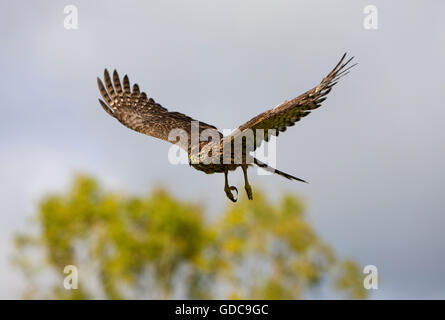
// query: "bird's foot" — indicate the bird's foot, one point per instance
point(249, 192)
point(229, 193)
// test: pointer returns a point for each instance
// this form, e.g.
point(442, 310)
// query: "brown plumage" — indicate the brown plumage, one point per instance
point(140, 113)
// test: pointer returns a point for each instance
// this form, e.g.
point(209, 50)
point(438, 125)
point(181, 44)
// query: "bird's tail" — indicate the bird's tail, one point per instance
point(273, 170)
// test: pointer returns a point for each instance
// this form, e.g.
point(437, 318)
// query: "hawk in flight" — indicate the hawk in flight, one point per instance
point(138, 112)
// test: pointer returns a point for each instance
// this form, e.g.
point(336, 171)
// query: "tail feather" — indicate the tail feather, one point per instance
point(273, 170)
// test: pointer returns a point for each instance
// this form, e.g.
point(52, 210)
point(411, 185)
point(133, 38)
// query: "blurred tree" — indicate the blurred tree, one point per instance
point(160, 247)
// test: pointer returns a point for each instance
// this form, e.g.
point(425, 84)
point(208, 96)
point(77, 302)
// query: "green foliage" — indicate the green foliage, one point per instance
point(160, 247)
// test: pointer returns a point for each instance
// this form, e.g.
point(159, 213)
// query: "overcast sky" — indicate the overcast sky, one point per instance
point(374, 153)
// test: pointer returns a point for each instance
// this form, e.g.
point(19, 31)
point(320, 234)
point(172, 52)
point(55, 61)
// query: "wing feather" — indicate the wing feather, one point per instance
point(109, 85)
point(126, 85)
point(288, 113)
point(117, 83)
point(134, 110)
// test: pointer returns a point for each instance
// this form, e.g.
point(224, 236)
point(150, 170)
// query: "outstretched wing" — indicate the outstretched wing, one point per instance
point(134, 110)
point(285, 115)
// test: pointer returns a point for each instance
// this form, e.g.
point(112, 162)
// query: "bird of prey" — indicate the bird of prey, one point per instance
point(138, 112)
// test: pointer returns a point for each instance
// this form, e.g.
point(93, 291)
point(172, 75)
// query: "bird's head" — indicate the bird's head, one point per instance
point(193, 159)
